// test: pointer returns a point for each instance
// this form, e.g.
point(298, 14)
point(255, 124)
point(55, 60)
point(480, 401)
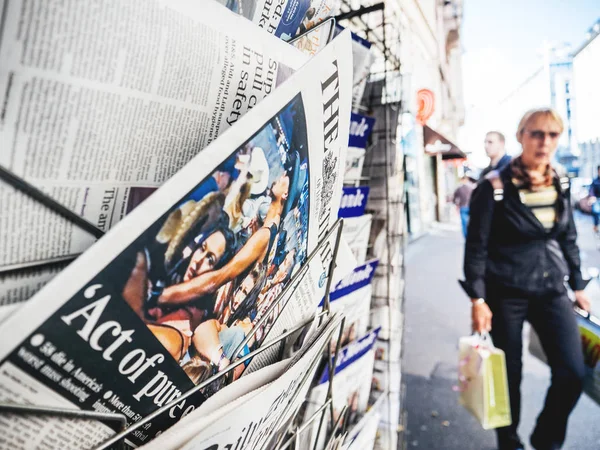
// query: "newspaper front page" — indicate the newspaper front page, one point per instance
point(361, 128)
point(363, 435)
point(362, 58)
point(222, 403)
point(285, 19)
point(352, 296)
point(357, 224)
point(102, 104)
point(165, 298)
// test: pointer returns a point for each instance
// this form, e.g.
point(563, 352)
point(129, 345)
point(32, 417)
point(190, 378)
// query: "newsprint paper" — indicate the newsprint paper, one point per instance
point(166, 297)
point(285, 19)
point(351, 388)
point(252, 421)
point(102, 103)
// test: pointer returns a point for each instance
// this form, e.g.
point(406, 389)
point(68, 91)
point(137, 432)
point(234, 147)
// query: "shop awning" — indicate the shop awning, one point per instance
point(436, 143)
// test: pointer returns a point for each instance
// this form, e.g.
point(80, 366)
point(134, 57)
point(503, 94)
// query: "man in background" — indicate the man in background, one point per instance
point(594, 199)
point(494, 148)
point(462, 198)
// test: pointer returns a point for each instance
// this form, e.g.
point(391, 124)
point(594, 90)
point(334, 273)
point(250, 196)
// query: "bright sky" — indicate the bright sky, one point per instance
point(502, 42)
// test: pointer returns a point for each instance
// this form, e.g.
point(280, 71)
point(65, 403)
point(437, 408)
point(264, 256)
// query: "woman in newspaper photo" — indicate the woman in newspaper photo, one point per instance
point(217, 263)
point(521, 247)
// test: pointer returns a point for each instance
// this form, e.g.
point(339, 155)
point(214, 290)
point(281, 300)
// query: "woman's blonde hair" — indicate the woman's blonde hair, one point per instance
point(534, 113)
point(197, 369)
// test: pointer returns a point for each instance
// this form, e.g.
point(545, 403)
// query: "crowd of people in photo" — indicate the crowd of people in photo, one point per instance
point(209, 278)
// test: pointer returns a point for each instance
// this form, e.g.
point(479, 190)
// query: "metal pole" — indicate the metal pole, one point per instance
point(295, 438)
point(336, 247)
point(10, 408)
point(19, 183)
point(331, 368)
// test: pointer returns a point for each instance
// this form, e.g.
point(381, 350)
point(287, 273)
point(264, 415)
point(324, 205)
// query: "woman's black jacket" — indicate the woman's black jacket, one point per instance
point(508, 246)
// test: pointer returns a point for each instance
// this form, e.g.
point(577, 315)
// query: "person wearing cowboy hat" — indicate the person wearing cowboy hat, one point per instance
point(219, 181)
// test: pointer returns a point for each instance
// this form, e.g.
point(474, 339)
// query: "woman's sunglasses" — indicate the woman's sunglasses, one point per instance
point(540, 135)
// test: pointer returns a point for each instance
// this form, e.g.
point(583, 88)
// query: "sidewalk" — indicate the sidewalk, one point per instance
point(437, 315)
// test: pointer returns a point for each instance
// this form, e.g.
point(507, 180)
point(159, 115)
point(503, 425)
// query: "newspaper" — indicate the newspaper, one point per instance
point(102, 104)
point(357, 224)
point(15, 286)
point(363, 58)
point(361, 128)
point(351, 386)
point(224, 402)
point(300, 303)
point(354, 201)
point(352, 296)
point(363, 435)
point(164, 299)
point(387, 376)
point(285, 19)
point(315, 39)
point(251, 422)
point(357, 231)
point(589, 329)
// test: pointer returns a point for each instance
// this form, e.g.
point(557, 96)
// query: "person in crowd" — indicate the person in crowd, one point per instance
point(494, 149)
point(595, 200)
point(212, 349)
point(203, 254)
point(255, 250)
point(219, 181)
point(461, 198)
point(520, 249)
point(239, 295)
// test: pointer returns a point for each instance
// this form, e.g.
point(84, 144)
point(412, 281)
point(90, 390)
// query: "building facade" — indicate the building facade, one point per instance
point(431, 60)
point(586, 84)
point(550, 85)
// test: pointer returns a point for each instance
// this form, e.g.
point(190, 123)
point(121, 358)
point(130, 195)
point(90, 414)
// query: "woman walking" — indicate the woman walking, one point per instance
point(520, 250)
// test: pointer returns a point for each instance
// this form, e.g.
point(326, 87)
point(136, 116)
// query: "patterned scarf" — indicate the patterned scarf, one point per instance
point(529, 179)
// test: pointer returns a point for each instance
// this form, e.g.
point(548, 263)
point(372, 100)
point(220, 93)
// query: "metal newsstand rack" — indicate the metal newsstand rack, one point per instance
point(383, 171)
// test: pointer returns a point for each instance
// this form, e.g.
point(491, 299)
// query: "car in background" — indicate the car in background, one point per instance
point(580, 194)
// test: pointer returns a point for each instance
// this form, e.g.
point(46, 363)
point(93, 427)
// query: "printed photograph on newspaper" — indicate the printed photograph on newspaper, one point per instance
point(314, 39)
point(172, 293)
point(285, 19)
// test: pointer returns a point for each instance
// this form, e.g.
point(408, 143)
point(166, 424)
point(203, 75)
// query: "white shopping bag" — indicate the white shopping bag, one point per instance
point(483, 383)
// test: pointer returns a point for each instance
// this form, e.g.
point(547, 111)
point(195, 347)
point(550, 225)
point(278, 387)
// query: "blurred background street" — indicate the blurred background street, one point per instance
point(437, 315)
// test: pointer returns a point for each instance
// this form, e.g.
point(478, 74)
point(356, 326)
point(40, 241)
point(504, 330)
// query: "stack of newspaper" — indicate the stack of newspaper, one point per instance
point(212, 155)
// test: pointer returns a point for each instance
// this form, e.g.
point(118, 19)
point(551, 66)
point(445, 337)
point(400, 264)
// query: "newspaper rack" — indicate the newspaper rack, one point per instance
point(118, 440)
point(45, 200)
point(29, 189)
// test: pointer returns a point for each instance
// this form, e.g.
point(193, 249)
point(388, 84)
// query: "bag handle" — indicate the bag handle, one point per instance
point(485, 339)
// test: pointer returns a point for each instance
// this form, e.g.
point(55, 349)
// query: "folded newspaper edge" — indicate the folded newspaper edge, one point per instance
point(258, 416)
point(362, 435)
point(52, 347)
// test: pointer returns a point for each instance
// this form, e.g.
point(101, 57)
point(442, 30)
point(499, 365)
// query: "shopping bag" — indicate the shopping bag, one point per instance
point(483, 383)
point(589, 327)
